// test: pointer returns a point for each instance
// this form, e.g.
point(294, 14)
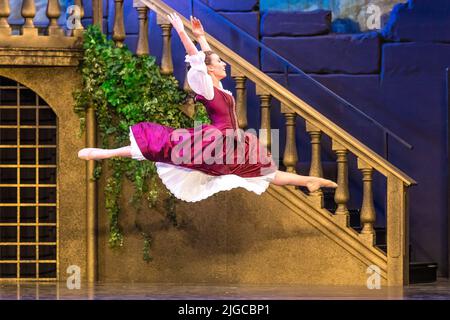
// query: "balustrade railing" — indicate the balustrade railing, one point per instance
point(317, 126)
point(54, 35)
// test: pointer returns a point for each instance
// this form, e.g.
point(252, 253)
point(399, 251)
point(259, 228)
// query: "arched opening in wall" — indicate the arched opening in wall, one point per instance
point(28, 185)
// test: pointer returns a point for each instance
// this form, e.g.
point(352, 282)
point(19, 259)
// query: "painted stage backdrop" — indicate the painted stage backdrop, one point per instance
point(349, 16)
point(40, 18)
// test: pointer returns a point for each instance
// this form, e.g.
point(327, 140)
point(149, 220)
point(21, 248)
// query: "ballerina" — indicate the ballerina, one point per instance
point(184, 175)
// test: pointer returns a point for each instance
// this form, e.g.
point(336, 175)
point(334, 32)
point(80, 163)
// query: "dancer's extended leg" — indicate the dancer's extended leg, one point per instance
point(312, 183)
point(98, 154)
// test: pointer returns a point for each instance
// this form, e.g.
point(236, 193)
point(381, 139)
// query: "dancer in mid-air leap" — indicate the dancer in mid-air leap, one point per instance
point(194, 179)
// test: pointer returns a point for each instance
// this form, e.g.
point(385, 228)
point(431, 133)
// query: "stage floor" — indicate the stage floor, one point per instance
point(142, 291)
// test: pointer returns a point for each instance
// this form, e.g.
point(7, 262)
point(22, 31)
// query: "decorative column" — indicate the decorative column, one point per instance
point(119, 28)
point(265, 99)
point(290, 158)
point(53, 13)
point(142, 46)
point(189, 106)
point(315, 169)
point(97, 13)
point(166, 60)
point(342, 194)
point(241, 97)
point(28, 12)
point(5, 29)
point(368, 209)
point(91, 203)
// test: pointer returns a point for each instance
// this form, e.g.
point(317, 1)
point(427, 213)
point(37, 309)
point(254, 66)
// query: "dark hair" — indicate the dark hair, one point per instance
point(208, 55)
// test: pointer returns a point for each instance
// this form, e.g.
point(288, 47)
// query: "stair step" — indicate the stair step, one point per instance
point(353, 215)
point(380, 234)
point(422, 272)
point(419, 272)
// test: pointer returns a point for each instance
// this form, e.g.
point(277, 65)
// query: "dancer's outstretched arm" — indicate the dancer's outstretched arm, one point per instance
point(177, 24)
point(199, 80)
point(199, 34)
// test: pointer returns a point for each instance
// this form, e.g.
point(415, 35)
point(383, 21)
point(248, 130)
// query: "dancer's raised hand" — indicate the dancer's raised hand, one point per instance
point(176, 22)
point(199, 34)
point(197, 27)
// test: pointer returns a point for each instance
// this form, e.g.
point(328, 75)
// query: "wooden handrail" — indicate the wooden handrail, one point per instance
point(293, 102)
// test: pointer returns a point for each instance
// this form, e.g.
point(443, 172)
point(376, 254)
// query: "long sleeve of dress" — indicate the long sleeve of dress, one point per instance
point(198, 78)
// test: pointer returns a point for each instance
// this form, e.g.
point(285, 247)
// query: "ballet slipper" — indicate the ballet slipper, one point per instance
point(85, 153)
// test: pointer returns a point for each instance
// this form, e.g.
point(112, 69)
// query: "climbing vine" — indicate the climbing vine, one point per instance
point(125, 89)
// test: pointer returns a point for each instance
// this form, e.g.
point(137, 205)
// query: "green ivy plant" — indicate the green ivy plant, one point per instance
point(125, 89)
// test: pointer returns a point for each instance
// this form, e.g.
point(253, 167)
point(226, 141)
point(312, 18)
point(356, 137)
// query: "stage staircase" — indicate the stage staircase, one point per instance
point(394, 262)
point(353, 229)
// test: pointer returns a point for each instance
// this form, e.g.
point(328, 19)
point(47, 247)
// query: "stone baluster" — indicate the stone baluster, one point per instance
point(241, 97)
point(316, 163)
point(28, 12)
point(265, 99)
point(367, 210)
point(119, 27)
point(290, 157)
point(53, 12)
point(166, 60)
point(142, 46)
point(186, 86)
point(5, 29)
point(315, 169)
point(341, 195)
point(189, 106)
point(97, 13)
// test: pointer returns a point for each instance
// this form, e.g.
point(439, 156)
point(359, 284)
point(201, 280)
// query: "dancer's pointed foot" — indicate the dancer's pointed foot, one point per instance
point(317, 183)
point(86, 153)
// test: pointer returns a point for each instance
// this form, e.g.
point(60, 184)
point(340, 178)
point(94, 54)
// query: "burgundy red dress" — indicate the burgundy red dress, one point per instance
point(195, 163)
